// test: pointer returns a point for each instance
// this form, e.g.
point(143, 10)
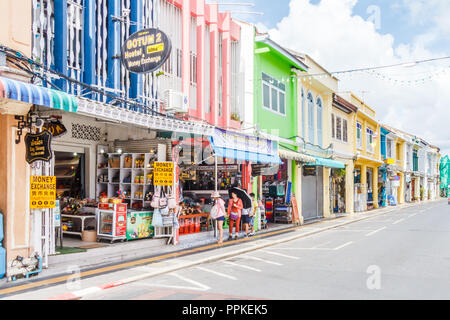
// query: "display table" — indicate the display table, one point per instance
point(82, 218)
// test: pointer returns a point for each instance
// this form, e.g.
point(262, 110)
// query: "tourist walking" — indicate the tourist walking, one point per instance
point(218, 213)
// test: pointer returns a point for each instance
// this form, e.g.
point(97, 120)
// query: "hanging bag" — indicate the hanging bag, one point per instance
point(171, 201)
point(157, 219)
point(156, 197)
point(163, 199)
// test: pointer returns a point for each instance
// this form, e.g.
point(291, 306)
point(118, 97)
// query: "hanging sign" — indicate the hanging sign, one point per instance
point(56, 128)
point(146, 50)
point(309, 171)
point(42, 192)
point(38, 146)
point(57, 214)
point(163, 174)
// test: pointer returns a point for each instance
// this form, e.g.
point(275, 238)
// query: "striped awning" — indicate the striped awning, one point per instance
point(294, 155)
point(30, 93)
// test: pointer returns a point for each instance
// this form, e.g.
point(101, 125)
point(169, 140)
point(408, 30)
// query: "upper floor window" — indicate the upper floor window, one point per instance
point(369, 146)
point(274, 94)
point(319, 120)
point(359, 135)
point(310, 118)
point(389, 148)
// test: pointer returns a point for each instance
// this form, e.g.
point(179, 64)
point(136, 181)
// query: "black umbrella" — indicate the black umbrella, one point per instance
point(243, 195)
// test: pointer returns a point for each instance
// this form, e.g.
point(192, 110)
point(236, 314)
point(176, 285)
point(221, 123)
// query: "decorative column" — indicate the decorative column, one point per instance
point(364, 184)
point(186, 49)
point(201, 59)
point(375, 187)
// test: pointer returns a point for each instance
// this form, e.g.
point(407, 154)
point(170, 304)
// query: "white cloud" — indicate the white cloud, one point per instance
point(339, 40)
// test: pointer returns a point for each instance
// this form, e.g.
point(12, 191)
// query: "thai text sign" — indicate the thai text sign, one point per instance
point(38, 146)
point(42, 192)
point(146, 50)
point(163, 174)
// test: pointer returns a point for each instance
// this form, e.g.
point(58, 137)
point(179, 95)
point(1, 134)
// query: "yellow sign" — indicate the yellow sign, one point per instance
point(163, 174)
point(42, 192)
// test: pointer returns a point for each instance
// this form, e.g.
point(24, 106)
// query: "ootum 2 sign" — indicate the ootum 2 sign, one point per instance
point(146, 50)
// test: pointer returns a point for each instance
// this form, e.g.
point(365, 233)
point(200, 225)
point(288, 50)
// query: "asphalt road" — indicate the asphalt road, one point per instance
point(404, 254)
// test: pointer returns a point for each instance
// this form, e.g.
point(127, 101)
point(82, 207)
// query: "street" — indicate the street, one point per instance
point(403, 254)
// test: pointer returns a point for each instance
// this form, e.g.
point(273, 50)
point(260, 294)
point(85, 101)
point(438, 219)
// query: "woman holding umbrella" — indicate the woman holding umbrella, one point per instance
point(239, 200)
point(235, 207)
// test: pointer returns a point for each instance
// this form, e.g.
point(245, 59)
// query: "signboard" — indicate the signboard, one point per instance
point(139, 225)
point(38, 146)
point(56, 128)
point(232, 140)
point(309, 171)
point(121, 220)
point(57, 214)
point(163, 174)
point(146, 50)
point(42, 192)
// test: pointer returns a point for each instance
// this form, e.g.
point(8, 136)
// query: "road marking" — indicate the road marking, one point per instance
point(344, 245)
point(376, 231)
point(259, 259)
point(241, 265)
point(321, 245)
point(280, 254)
point(217, 273)
point(398, 221)
point(290, 248)
point(198, 284)
point(413, 215)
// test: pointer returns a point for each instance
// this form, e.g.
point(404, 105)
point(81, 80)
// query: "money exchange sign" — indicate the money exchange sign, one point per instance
point(163, 174)
point(42, 192)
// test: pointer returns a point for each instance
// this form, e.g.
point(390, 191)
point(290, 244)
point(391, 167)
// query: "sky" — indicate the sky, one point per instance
point(348, 34)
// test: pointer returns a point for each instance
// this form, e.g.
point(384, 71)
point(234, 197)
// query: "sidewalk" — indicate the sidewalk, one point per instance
point(157, 250)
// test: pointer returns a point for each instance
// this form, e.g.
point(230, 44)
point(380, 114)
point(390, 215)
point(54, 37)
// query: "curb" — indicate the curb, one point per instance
point(77, 295)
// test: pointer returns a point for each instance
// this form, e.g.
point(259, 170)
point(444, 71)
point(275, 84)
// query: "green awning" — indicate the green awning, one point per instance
point(329, 163)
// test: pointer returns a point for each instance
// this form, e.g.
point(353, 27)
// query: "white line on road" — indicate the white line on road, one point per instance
point(314, 248)
point(263, 260)
point(280, 254)
point(344, 245)
point(241, 265)
point(217, 273)
point(376, 231)
point(398, 221)
point(201, 286)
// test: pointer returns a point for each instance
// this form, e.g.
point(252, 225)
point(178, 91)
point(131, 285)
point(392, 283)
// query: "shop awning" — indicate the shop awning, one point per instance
point(327, 163)
point(294, 155)
point(30, 93)
point(233, 145)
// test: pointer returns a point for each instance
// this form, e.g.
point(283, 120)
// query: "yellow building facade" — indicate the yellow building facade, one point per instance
point(367, 159)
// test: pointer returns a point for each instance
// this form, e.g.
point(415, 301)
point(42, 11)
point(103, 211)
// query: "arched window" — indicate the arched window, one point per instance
point(310, 118)
point(319, 121)
point(303, 114)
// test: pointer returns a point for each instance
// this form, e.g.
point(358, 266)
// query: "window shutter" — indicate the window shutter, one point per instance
point(332, 127)
point(344, 130)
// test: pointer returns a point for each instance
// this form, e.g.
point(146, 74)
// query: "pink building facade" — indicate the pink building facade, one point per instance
point(204, 51)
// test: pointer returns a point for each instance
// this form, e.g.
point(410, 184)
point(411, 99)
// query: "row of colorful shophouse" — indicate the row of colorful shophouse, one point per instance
point(230, 107)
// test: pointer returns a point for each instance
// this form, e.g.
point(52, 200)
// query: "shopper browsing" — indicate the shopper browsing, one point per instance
point(253, 214)
point(218, 213)
point(235, 207)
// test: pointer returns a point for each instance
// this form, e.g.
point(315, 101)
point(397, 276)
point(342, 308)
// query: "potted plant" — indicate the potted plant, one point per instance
point(235, 120)
point(422, 193)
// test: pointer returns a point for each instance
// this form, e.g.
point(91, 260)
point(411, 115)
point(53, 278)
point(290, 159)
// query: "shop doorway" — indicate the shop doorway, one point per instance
point(337, 191)
point(312, 195)
point(70, 172)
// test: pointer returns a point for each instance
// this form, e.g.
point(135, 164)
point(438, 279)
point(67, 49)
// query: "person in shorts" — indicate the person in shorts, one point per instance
point(253, 214)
